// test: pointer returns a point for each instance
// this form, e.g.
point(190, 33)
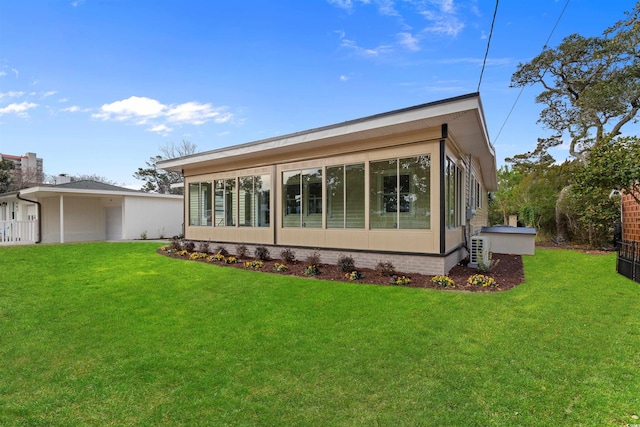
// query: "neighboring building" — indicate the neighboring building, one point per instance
point(407, 186)
point(87, 211)
point(28, 170)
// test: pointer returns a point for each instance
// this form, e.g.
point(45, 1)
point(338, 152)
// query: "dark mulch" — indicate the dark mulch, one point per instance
point(507, 271)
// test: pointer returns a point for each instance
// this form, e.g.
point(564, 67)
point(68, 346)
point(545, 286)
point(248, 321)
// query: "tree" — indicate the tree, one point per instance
point(159, 181)
point(6, 175)
point(591, 90)
point(591, 85)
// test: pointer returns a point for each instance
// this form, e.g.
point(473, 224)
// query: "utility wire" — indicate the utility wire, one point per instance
point(545, 47)
point(486, 53)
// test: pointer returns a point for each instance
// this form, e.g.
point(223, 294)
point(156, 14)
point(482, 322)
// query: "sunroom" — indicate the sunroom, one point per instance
point(407, 186)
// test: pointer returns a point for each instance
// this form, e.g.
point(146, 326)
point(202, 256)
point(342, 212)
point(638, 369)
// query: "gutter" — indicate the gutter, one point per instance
point(39, 215)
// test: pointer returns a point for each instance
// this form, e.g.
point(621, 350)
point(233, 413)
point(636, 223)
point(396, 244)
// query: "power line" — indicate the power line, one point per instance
point(545, 47)
point(486, 53)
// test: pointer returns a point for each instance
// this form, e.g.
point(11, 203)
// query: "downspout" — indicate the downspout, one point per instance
point(39, 215)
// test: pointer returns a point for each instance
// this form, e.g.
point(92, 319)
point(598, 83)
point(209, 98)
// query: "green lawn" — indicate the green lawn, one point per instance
point(114, 334)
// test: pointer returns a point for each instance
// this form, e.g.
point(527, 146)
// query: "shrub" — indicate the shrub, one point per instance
point(385, 268)
point(354, 275)
point(280, 267)
point(203, 247)
point(444, 281)
point(312, 270)
point(242, 251)
point(217, 257)
point(254, 264)
point(287, 255)
point(231, 260)
point(189, 246)
point(176, 243)
point(345, 263)
point(143, 235)
point(313, 259)
point(400, 280)
point(481, 280)
point(221, 250)
point(261, 253)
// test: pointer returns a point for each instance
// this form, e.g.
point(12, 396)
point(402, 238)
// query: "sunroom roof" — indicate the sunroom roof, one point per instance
point(463, 116)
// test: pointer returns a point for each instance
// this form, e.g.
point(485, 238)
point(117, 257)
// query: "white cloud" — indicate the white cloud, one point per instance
point(408, 41)
point(11, 94)
point(147, 111)
point(367, 52)
point(75, 109)
point(18, 109)
point(344, 78)
point(443, 23)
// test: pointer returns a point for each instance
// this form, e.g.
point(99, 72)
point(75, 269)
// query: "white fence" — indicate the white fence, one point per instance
point(18, 232)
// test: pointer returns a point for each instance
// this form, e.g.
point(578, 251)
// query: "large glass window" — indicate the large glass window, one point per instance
point(453, 195)
point(400, 193)
point(345, 196)
point(253, 200)
point(200, 203)
point(225, 203)
point(302, 201)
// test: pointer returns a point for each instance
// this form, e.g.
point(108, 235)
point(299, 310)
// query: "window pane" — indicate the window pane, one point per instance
point(312, 197)
point(335, 197)
point(200, 203)
point(263, 192)
point(218, 218)
point(383, 181)
point(414, 193)
point(246, 204)
point(291, 212)
point(355, 196)
point(230, 202)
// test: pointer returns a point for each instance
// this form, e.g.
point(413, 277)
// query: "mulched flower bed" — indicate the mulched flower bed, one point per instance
point(507, 272)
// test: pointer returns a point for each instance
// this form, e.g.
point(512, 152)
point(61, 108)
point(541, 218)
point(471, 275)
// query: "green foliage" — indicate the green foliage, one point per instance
point(400, 280)
point(312, 270)
point(354, 275)
point(6, 175)
point(158, 180)
point(255, 264)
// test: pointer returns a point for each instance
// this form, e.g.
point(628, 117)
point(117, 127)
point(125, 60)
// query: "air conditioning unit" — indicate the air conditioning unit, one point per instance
point(479, 251)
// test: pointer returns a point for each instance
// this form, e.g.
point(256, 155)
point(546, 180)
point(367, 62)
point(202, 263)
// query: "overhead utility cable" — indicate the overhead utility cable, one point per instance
point(486, 53)
point(545, 47)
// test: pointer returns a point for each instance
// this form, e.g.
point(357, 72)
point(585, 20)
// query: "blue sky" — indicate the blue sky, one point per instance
point(98, 86)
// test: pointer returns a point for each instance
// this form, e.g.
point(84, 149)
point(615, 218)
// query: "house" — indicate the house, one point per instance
point(407, 186)
point(86, 211)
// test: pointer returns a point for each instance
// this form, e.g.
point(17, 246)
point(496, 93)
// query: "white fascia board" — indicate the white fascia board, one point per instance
point(446, 110)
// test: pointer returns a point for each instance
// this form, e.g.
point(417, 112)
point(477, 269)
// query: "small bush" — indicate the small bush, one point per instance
point(481, 280)
point(354, 275)
point(385, 268)
point(313, 259)
point(203, 247)
point(280, 267)
point(176, 243)
point(221, 250)
point(189, 246)
point(444, 281)
point(399, 280)
point(345, 263)
point(143, 235)
point(242, 251)
point(261, 253)
point(287, 255)
point(256, 265)
point(312, 270)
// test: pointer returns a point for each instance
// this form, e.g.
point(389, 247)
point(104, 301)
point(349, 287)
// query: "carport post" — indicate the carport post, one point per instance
point(61, 218)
